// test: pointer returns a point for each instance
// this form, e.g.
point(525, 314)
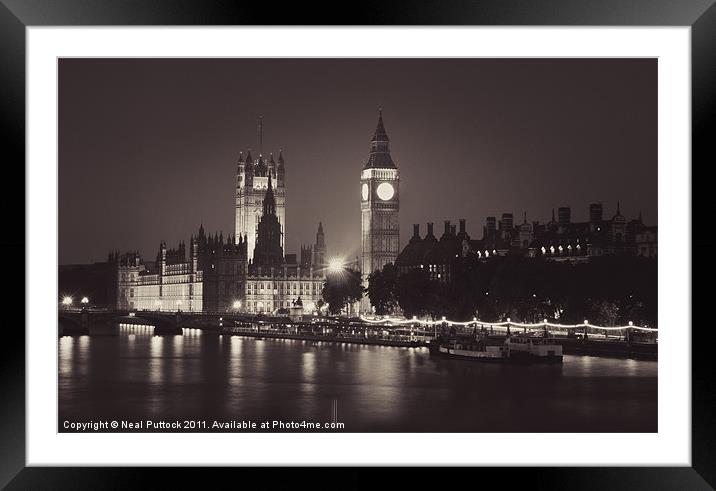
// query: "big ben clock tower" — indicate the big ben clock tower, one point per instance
point(379, 193)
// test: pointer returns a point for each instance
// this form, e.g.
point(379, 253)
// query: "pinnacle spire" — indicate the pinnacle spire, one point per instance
point(269, 199)
point(261, 135)
point(380, 134)
point(379, 147)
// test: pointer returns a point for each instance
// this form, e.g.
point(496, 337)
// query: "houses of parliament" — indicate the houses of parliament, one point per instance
point(246, 271)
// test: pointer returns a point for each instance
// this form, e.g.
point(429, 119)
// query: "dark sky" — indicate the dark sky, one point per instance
point(148, 147)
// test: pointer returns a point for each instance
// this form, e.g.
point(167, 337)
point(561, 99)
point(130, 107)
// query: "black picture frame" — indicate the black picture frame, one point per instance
point(16, 15)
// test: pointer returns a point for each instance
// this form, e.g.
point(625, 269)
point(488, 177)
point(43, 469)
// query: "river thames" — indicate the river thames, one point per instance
point(206, 377)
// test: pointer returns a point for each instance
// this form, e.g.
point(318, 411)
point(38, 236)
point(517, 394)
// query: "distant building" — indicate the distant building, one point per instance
point(170, 283)
point(216, 275)
point(561, 240)
point(570, 241)
point(438, 256)
point(246, 272)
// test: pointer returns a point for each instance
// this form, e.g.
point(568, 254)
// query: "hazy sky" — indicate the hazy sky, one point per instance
point(148, 147)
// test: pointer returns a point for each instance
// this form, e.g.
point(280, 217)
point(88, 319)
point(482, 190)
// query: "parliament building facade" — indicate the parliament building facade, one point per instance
point(244, 272)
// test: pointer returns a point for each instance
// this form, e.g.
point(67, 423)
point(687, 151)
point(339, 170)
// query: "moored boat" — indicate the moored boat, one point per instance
point(517, 348)
point(534, 349)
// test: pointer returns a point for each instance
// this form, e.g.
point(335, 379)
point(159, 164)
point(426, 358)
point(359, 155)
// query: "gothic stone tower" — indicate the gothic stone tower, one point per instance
point(268, 252)
point(380, 234)
point(251, 185)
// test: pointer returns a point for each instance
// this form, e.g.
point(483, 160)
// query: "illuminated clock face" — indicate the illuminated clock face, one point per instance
point(364, 191)
point(385, 191)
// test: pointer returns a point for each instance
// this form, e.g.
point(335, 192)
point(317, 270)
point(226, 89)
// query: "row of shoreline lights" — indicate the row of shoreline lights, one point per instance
point(475, 321)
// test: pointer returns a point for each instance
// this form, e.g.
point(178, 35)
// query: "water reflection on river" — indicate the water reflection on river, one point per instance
point(205, 376)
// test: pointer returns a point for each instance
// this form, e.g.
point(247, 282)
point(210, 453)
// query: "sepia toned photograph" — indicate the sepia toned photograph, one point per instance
point(364, 245)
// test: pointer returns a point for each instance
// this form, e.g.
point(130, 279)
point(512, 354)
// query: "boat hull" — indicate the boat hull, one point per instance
point(517, 357)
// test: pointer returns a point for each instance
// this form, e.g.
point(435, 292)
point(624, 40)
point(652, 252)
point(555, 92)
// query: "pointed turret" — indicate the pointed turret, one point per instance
point(269, 199)
point(319, 248)
point(379, 147)
point(380, 135)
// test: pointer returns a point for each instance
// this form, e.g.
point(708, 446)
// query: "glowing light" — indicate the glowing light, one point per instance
point(335, 265)
point(631, 323)
point(67, 301)
point(85, 300)
point(237, 304)
point(397, 320)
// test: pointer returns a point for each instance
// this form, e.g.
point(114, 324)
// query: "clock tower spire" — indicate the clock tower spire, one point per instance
point(380, 233)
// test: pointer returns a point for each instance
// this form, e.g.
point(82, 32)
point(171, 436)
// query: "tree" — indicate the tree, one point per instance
point(381, 289)
point(413, 292)
point(342, 288)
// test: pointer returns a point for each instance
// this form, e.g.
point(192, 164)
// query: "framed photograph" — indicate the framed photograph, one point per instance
point(454, 235)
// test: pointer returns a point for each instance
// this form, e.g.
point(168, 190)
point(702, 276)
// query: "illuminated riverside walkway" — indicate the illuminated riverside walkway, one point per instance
point(584, 338)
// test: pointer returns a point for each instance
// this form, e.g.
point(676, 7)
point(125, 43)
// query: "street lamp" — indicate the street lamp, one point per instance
point(237, 304)
point(67, 301)
point(85, 300)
